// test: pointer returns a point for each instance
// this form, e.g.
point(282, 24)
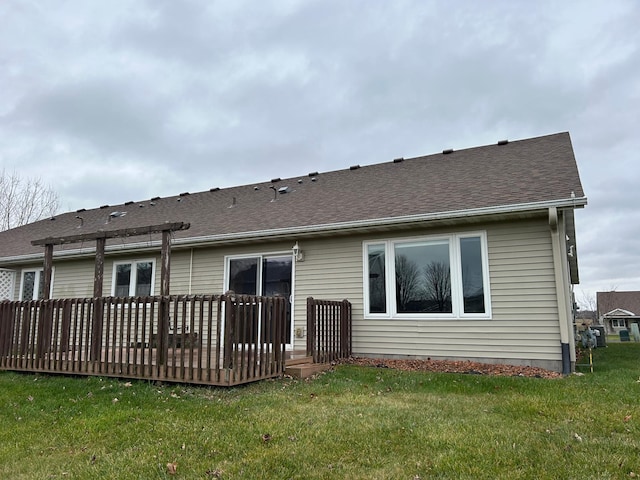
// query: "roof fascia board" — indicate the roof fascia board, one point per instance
point(311, 229)
point(619, 312)
point(390, 221)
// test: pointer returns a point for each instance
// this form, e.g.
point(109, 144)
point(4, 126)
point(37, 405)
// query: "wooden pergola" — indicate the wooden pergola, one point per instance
point(101, 237)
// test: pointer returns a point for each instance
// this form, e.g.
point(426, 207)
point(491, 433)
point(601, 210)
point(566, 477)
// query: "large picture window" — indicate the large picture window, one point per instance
point(431, 277)
point(133, 279)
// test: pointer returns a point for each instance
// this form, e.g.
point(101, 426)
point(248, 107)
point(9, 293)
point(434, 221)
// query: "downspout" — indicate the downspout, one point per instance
point(563, 317)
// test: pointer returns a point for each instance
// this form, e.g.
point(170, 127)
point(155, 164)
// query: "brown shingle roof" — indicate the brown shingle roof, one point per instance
point(541, 169)
point(609, 301)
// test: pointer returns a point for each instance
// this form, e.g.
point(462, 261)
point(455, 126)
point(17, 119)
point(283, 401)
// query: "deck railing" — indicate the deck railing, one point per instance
point(328, 329)
point(206, 339)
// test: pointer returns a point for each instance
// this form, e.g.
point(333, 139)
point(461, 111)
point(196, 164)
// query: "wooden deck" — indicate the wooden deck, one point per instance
point(222, 340)
point(205, 339)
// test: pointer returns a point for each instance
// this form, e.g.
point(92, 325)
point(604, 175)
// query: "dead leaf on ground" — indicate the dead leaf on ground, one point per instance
point(266, 437)
point(451, 366)
point(627, 418)
point(172, 468)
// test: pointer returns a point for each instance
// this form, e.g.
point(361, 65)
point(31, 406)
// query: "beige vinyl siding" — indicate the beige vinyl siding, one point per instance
point(331, 270)
point(524, 325)
point(523, 328)
point(74, 279)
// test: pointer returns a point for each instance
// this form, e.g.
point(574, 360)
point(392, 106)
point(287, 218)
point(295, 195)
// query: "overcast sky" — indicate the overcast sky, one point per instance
point(125, 100)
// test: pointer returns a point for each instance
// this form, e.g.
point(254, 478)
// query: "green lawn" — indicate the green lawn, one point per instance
point(353, 423)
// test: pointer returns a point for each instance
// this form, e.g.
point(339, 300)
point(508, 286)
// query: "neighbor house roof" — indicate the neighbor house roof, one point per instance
point(610, 301)
point(514, 176)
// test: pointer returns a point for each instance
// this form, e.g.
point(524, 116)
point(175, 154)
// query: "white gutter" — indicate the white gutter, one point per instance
point(322, 228)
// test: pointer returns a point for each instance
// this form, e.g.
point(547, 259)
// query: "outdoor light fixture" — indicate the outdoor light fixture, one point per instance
point(297, 253)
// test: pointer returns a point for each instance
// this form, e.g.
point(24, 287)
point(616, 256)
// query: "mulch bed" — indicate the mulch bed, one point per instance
point(450, 366)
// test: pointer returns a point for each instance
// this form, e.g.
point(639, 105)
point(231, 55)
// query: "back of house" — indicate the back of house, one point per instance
point(466, 254)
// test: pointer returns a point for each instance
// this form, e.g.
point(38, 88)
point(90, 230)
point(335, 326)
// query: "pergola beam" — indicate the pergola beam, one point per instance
point(107, 234)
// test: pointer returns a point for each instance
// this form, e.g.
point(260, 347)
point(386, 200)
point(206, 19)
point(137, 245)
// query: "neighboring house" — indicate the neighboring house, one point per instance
point(466, 255)
point(618, 310)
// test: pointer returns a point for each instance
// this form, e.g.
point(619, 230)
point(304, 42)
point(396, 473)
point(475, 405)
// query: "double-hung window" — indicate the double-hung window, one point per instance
point(133, 279)
point(32, 284)
point(427, 277)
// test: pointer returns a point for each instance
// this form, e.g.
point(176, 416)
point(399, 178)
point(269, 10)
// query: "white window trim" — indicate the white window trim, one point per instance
point(39, 272)
point(134, 275)
point(457, 299)
point(261, 256)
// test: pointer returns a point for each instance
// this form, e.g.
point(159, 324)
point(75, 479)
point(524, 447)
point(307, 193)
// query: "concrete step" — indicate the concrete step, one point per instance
point(306, 370)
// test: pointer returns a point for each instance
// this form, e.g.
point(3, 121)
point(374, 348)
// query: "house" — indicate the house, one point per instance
point(618, 310)
point(466, 254)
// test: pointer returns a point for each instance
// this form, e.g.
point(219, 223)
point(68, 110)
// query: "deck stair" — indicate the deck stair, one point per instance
point(300, 365)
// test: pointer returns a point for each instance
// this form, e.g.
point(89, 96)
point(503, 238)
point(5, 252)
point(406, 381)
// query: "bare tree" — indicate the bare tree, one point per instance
point(407, 281)
point(587, 300)
point(24, 200)
point(438, 284)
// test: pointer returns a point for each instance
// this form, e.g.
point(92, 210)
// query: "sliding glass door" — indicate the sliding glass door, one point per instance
point(264, 276)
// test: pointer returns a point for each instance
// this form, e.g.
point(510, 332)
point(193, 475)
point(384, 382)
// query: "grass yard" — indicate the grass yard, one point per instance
point(353, 423)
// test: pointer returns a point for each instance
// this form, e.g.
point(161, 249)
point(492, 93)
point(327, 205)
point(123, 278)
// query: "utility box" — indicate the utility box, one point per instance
point(601, 339)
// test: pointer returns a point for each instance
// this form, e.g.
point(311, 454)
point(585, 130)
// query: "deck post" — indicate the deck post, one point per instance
point(98, 307)
point(99, 267)
point(44, 312)
point(48, 269)
point(345, 329)
point(311, 328)
point(229, 329)
point(166, 263)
